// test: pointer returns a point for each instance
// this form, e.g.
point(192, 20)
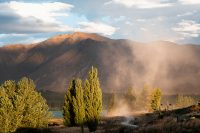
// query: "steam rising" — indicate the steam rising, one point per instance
point(166, 65)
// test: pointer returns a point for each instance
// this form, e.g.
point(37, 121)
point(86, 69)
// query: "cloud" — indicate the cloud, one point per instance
point(19, 39)
point(140, 3)
point(189, 2)
point(119, 19)
point(45, 12)
point(143, 29)
point(188, 28)
point(186, 14)
point(129, 23)
point(140, 20)
point(20, 17)
point(31, 18)
point(96, 27)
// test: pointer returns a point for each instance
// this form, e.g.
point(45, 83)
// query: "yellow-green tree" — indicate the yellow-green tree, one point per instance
point(92, 99)
point(184, 101)
point(144, 98)
point(131, 97)
point(74, 109)
point(155, 99)
point(21, 106)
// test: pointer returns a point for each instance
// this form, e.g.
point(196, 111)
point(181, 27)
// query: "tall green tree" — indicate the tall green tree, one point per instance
point(93, 99)
point(68, 113)
point(21, 106)
point(74, 109)
point(155, 99)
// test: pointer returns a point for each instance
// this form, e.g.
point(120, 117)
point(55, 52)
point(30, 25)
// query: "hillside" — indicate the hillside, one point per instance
point(122, 63)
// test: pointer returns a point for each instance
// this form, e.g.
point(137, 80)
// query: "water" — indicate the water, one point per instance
point(57, 114)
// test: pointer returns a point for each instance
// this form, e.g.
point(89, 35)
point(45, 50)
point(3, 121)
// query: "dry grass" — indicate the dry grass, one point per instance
point(177, 121)
point(56, 122)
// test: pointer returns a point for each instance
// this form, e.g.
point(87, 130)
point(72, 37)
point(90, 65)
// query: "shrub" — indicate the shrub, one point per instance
point(21, 106)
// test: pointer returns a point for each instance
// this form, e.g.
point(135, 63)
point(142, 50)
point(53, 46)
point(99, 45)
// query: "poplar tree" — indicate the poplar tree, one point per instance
point(155, 99)
point(184, 101)
point(93, 99)
point(68, 113)
point(144, 98)
point(74, 109)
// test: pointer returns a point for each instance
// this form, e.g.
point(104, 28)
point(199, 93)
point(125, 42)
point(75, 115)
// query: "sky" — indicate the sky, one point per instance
point(32, 21)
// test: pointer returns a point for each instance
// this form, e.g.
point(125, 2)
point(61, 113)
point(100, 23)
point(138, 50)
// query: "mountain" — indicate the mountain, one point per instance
point(122, 63)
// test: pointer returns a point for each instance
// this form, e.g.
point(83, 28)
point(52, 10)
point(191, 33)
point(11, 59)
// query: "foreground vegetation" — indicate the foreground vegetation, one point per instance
point(23, 109)
point(22, 106)
point(185, 120)
point(83, 106)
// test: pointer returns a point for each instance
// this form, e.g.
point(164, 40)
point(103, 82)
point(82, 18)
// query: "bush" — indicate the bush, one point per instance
point(21, 106)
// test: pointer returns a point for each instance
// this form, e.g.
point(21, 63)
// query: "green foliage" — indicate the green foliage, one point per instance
point(155, 99)
point(184, 101)
point(74, 109)
point(131, 97)
point(93, 99)
point(144, 98)
point(21, 106)
point(78, 103)
point(68, 113)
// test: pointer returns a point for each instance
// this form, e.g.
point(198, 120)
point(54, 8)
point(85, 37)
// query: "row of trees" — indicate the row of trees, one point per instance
point(83, 103)
point(147, 99)
point(21, 106)
point(150, 100)
point(184, 101)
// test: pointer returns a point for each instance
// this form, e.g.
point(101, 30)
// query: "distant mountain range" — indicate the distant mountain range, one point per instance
point(122, 63)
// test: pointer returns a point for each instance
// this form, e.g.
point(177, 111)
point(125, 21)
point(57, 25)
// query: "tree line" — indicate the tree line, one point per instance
point(148, 99)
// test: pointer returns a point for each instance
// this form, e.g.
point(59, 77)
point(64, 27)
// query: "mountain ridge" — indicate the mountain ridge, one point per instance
point(122, 63)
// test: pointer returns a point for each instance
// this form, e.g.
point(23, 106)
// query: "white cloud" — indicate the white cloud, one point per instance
point(20, 17)
point(189, 2)
point(140, 3)
point(140, 20)
point(42, 11)
point(120, 18)
point(188, 28)
point(43, 17)
point(129, 23)
point(95, 27)
point(143, 29)
point(186, 14)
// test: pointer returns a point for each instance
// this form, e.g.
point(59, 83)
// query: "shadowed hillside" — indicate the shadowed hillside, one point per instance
point(121, 63)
